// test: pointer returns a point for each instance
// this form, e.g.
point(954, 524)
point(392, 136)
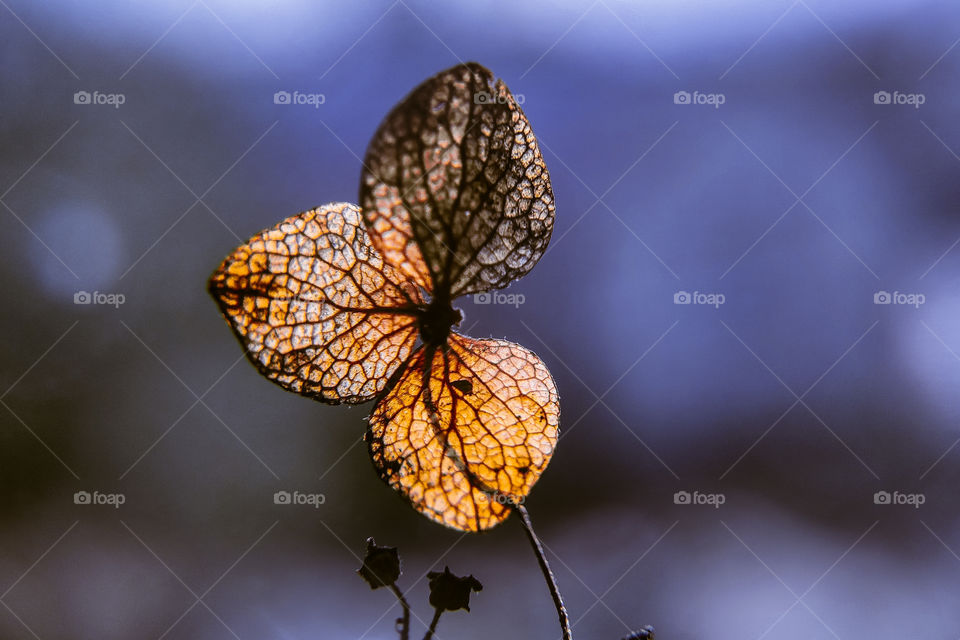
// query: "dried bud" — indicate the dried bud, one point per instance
point(449, 592)
point(381, 566)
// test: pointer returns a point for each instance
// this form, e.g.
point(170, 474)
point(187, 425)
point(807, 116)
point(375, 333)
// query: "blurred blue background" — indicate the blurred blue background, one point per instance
point(773, 153)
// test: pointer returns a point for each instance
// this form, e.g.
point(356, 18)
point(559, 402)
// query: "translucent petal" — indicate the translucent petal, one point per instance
point(317, 309)
point(454, 189)
point(466, 431)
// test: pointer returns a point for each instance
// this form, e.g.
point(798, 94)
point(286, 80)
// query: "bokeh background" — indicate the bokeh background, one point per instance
point(798, 199)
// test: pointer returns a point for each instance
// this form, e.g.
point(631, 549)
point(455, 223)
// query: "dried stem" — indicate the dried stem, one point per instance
point(433, 624)
point(547, 573)
point(405, 623)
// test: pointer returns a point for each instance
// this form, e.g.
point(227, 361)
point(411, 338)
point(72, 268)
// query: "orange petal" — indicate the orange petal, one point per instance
point(454, 189)
point(316, 307)
point(472, 442)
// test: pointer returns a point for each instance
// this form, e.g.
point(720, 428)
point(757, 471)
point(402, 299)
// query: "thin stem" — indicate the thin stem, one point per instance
point(433, 624)
point(405, 624)
point(547, 573)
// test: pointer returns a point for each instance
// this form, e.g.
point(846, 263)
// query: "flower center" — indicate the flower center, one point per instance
point(436, 320)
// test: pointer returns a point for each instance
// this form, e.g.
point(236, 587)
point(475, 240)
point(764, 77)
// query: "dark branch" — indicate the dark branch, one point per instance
point(547, 573)
point(433, 623)
point(405, 621)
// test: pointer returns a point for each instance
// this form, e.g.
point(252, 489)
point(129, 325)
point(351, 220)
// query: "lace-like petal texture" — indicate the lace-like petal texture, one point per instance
point(466, 432)
point(454, 188)
point(330, 303)
point(317, 309)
